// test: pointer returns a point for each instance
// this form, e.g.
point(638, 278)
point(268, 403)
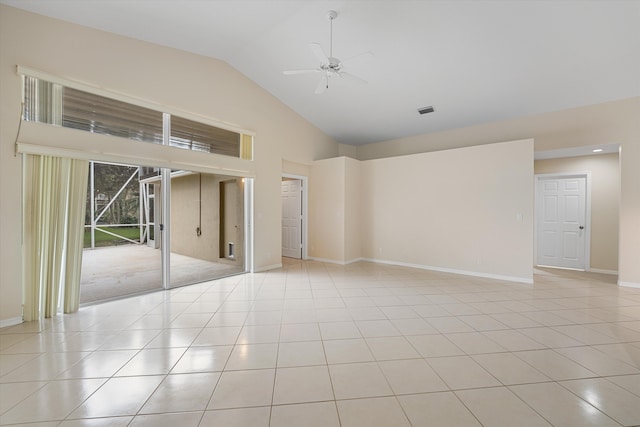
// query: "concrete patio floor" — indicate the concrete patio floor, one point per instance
point(117, 271)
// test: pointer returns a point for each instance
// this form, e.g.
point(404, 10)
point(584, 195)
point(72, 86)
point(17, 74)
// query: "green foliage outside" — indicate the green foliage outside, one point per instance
point(108, 180)
point(124, 209)
point(104, 239)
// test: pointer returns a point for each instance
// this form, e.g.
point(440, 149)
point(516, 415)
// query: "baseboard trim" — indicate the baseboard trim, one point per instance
point(555, 267)
point(629, 284)
point(333, 261)
point(12, 321)
point(267, 268)
point(601, 271)
point(526, 280)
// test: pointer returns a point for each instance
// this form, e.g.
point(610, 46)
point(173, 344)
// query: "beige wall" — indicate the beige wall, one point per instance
point(185, 207)
point(629, 246)
point(334, 210)
point(164, 76)
point(185, 217)
point(467, 209)
point(327, 210)
point(353, 214)
point(611, 122)
point(348, 151)
point(293, 168)
point(605, 199)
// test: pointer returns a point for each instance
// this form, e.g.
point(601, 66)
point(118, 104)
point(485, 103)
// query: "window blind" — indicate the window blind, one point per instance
point(53, 103)
point(201, 137)
point(98, 114)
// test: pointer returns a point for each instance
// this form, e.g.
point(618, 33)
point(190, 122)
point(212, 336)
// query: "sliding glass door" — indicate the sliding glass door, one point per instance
point(120, 256)
point(146, 229)
point(206, 227)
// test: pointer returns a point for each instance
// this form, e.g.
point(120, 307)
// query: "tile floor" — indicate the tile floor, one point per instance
point(315, 344)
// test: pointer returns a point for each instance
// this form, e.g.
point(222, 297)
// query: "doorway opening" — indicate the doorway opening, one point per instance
point(294, 223)
point(144, 232)
point(231, 209)
point(566, 173)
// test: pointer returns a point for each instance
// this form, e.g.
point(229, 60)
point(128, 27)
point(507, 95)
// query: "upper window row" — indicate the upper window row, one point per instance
point(51, 103)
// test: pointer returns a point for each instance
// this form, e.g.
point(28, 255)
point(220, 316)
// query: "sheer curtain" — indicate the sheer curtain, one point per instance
point(55, 199)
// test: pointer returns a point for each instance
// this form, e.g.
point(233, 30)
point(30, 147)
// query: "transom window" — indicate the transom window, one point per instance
point(55, 104)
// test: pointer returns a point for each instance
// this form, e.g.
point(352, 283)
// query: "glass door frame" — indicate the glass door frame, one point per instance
point(172, 278)
point(165, 231)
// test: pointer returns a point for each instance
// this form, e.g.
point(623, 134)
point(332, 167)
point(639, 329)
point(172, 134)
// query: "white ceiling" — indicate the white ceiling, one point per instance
point(474, 61)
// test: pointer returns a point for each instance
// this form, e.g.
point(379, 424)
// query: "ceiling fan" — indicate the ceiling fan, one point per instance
point(330, 67)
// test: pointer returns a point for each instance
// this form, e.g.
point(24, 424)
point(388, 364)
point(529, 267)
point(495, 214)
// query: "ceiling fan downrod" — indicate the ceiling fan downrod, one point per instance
point(331, 15)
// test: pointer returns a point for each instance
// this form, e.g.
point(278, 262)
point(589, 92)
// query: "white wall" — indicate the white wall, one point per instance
point(164, 76)
point(605, 200)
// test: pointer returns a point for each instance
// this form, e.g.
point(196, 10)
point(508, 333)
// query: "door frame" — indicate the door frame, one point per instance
point(587, 195)
point(305, 209)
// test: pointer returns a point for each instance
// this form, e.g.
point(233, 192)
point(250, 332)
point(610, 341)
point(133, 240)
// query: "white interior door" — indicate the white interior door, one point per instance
point(292, 218)
point(561, 222)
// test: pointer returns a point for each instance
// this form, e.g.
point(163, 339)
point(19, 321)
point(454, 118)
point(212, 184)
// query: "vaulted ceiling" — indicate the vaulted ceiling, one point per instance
point(473, 61)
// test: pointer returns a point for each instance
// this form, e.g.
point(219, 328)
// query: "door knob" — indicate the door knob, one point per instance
point(581, 227)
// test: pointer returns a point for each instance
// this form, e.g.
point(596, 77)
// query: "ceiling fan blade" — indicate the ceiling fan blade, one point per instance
point(292, 72)
point(359, 56)
point(319, 53)
point(352, 77)
point(323, 85)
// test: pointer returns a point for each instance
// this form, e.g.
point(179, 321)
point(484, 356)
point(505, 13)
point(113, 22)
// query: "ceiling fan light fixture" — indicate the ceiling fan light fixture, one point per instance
point(426, 110)
point(330, 67)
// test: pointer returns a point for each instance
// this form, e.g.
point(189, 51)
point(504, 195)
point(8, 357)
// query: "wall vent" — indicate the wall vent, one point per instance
point(426, 110)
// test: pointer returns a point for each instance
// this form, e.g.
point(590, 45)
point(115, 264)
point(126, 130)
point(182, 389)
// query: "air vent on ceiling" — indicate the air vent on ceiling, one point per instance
point(426, 110)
